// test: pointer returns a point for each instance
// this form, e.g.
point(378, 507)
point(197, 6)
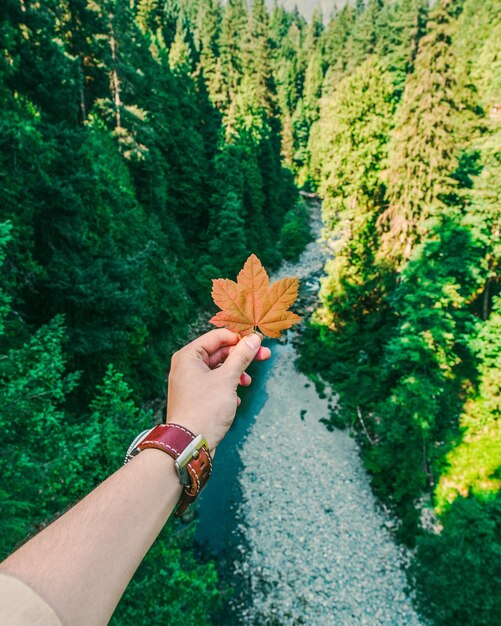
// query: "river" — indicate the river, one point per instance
point(289, 514)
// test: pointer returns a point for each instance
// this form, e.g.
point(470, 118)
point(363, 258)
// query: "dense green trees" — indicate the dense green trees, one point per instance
point(147, 147)
point(70, 449)
point(140, 156)
point(480, 424)
point(465, 565)
point(118, 138)
point(430, 127)
point(405, 155)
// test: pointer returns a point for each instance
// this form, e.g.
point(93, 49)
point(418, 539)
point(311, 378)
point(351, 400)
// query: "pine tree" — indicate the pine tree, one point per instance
point(365, 33)
point(424, 363)
point(337, 45)
point(208, 30)
point(258, 56)
point(232, 54)
point(349, 147)
point(428, 136)
point(33, 388)
point(399, 30)
point(180, 59)
point(457, 571)
point(349, 144)
point(473, 464)
point(149, 15)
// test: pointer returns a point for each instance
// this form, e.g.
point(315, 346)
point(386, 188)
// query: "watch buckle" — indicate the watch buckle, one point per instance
point(189, 453)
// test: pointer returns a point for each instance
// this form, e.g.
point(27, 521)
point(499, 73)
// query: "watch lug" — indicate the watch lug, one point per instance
point(189, 453)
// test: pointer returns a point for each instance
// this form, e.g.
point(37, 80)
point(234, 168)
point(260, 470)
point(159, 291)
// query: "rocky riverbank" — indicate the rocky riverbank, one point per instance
point(317, 548)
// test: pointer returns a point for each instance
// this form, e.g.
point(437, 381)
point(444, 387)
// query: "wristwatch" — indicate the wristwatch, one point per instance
point(190, 453)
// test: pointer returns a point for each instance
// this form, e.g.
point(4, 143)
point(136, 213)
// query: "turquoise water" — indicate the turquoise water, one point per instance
point(216, 509)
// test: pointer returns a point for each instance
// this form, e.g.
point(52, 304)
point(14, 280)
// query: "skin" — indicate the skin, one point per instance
point(82, 563)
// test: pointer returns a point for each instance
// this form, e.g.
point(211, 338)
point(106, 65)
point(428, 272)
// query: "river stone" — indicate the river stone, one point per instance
point(318, 551)
point(288, 557)
point(317, 547)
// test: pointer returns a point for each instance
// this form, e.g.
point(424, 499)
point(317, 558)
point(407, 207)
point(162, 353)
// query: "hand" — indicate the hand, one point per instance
point(203, 381)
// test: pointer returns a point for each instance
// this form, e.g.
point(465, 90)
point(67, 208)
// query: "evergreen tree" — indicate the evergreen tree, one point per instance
point(140, 156)
point(457, 572)
point(428, 136)
point(258, 56)
point(208, 31)
point(349, 144)
point(232, 52)
point(149, 15)
point(409, 302)
point(473, 464)
point(349, 147)
point(365, 32)
point(337, 45)
point(180, 59)
point(425, 354)
point(227, 234)
point(33, 388)
point(400, 28)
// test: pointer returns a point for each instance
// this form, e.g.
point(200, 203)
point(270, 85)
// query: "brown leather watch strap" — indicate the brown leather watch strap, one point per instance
point(173, 439)
point(199, 470)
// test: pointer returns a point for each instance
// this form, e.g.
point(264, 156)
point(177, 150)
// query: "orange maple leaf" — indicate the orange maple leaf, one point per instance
point(251, 302)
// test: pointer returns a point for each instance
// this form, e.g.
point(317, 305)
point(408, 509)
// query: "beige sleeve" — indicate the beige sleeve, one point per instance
point(21, 606)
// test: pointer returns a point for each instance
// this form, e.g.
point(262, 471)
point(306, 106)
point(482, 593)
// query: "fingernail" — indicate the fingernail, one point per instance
point(253, 341)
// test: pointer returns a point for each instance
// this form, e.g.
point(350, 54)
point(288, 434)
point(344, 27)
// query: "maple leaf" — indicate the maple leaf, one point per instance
point(252, 303)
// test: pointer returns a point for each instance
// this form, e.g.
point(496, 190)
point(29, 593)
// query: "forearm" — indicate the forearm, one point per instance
point(82, 563)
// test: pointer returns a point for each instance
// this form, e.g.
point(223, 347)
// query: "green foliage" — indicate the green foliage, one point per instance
point(401, 26)
point(425, 353)
point(477, 48)
point(295, 234)
point(432, 124)
point(5, 229)
point(140, 156)
point(405, 155)
point(338, 47)
point(122, 180)
point(458, 571)
point(113, 418)
point(147, 148)
point(70, 454)
point(350, 146)
point(33, 386)
point(474, 463)
point(188, 589)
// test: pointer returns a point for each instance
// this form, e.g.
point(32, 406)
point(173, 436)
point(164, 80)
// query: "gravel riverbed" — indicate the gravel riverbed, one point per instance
point(317, 548)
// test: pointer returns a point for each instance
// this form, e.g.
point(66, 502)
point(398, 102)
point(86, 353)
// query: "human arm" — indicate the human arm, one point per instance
point(82, 562)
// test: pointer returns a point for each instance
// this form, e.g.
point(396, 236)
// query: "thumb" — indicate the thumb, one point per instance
point(242, 355)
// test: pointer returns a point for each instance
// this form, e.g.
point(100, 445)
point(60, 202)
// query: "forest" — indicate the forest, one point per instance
point(148, 146)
